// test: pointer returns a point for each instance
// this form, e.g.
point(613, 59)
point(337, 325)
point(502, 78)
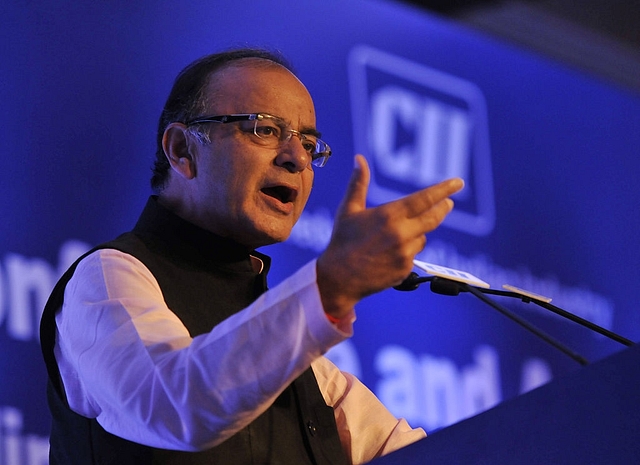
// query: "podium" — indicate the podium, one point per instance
point(591, 416)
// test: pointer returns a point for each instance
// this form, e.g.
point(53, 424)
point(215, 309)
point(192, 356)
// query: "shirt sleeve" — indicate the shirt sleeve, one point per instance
point(128, 361)
point(367, 429)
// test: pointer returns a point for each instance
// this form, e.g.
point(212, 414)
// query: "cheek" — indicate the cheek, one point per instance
point(227, 174)
point(307, 184)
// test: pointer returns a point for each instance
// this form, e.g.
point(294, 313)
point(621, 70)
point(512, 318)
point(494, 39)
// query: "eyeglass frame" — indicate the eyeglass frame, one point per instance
point(318, 159)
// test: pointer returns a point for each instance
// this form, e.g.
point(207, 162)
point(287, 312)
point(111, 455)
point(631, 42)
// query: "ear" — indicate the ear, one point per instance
point(175, 143)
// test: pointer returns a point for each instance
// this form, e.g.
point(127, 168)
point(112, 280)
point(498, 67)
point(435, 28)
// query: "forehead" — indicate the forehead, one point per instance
point(256, 85)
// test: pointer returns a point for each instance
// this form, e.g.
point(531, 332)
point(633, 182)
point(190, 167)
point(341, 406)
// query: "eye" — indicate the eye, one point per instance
point(309, 144)
point(267, 130)
point(309, 147)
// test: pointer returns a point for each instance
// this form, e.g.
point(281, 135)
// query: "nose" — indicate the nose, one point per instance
point(292, 155)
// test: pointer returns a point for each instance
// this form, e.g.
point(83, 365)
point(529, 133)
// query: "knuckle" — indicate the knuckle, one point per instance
point(386, 215)
point(432, 219)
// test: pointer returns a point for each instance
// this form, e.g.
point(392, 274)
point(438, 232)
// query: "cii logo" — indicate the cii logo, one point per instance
point(418, 126)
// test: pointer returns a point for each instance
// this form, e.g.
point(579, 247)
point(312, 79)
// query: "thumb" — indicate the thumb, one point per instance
point(355, 199)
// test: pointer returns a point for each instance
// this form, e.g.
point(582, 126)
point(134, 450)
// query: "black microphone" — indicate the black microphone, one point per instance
point(439, 286)
point(446, 286)
point(412, 282)
point(447, 281)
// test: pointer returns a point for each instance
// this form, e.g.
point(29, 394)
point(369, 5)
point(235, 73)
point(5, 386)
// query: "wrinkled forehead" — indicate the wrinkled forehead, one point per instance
point(258, 85)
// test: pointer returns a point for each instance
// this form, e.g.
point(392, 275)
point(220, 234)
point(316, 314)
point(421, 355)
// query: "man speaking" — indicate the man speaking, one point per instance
point(164, 346)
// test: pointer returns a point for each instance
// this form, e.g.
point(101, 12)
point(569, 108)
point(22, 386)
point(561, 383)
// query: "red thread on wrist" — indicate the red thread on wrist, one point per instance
point(332, 319)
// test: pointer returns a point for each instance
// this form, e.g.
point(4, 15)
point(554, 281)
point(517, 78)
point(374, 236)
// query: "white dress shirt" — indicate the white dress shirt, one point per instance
point(179, 392)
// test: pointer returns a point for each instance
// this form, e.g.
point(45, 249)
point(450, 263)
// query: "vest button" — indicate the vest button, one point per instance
point(312, 428)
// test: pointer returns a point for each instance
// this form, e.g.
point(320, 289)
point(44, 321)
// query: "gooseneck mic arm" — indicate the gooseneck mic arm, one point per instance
point(448, 287)
point(445, 286)
point(524, 323)
point(563, 313)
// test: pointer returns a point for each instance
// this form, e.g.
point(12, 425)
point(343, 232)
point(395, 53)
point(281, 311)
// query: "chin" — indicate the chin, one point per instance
point(267, 229)
point(276, 238)
point(270, 236)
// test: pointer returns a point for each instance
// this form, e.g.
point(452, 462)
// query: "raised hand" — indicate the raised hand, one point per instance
point(372, 249)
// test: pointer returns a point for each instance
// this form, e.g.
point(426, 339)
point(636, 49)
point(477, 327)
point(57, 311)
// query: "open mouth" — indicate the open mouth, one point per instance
point(282, 193)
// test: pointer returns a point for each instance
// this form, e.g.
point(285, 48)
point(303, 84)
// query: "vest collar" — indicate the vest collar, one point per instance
point(189, 240)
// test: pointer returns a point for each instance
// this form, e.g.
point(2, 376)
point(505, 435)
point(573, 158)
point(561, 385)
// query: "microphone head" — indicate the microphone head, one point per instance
point(410, 283)
point(445, 286)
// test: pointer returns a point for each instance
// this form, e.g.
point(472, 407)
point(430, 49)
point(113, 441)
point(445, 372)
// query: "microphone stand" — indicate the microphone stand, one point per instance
point(446, 286)
point(524, 323)
point(563, 313)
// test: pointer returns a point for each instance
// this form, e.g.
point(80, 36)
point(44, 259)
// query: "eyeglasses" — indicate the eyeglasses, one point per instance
point(272, 131)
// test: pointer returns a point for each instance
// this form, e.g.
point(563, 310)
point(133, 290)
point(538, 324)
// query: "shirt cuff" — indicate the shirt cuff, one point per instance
point(319, 325)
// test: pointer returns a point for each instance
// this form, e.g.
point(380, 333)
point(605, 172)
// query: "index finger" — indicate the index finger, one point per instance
point(418, 202)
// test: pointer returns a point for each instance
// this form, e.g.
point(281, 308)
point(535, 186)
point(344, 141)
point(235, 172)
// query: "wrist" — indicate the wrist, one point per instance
point(332, 319)
point(337, 305)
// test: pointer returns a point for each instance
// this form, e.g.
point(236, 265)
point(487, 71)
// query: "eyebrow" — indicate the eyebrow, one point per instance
point(310, 130)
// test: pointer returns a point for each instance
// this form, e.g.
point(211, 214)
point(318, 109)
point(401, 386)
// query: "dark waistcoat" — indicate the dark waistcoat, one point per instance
point(204, 279)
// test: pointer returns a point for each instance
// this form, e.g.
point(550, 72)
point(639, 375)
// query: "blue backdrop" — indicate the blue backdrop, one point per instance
point(549, 155)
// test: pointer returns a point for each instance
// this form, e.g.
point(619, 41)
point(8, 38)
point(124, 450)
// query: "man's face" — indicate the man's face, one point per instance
point(241, 189)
